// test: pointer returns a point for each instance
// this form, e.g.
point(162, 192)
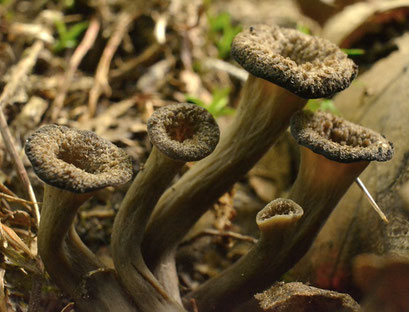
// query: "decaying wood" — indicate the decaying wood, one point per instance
point(384, 280)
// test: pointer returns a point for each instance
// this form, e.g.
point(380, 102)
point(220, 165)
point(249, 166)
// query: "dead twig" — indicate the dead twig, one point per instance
point(69, 307)
point(127, 67)
point(230, 234)
point(19, 74)
point(5, 190)
point(3, 300)
point(101, 83)
point(15, 199)
point(79, 53)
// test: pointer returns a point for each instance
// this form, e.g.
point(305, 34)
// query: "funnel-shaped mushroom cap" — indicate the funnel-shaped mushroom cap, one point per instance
point(338, 139)
point(76, 160)
point(183, 132)
point(308, 66)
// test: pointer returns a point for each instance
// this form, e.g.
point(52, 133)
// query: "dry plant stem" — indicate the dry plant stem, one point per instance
point(59, 208)
point(68, 264)
point(101, 77)
point(3, 302)
point(128, 230)
point(22, 70)
point(263, 114)
point(82, 49)
point(257, 269)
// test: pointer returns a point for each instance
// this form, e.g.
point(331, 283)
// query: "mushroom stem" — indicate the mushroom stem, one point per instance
point(68, 261)
point(257, 269)
point(319, 186)
point(263, 114)
point(129, 227)
point(179, 133)
point(58, 213)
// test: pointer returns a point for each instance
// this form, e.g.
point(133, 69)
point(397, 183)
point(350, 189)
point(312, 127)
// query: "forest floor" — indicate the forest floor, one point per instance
point(105, 66)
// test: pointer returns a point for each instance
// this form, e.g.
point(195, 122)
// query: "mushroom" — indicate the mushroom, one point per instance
point(286, 68)
point(252, 272)
point(333, 154)
point(74, 164)
point(179, 133)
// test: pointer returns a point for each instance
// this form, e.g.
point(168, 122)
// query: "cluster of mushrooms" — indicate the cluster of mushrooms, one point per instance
point(286, 68)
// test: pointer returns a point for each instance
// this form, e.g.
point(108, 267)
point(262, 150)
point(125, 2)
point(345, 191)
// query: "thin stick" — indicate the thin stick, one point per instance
point(79, 53)
point(20, 74)
point(101, 83)
point(228, 234)
point(371, 200)
point(3, 298)
point(15, 199)
point(5, 190)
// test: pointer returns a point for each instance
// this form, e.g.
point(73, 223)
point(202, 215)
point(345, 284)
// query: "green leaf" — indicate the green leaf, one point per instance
point(325, 105)
point(68, 38)
point(76, 30)
point(218, 106)
point(304, 29)
point(222, 32)
point(354, 51)
point(195, 100)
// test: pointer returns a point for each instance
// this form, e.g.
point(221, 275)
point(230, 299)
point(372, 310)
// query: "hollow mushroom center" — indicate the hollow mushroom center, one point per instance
point(181, 128)
point(75, 157)
point(337, 131)
point(86, 157)
point(282, 208)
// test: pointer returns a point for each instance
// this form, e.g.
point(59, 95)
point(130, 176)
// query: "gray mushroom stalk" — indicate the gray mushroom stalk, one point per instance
point(73, 165)
point(179, 133)
point(285, 68)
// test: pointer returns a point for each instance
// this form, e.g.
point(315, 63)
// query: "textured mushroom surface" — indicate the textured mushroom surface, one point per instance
point(279, 208)
point(298, 297)
point(184, 132)
point(338, 139)
point(308, 66)
point(76, 160)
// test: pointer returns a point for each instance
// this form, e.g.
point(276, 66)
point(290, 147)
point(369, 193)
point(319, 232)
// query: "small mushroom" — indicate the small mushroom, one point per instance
point(252, 272)
point(179, 133)
point(74, 164)
point(286, 67)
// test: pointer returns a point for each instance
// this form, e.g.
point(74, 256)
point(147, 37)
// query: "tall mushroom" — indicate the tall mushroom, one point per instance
point(74, 164)
point(179, 133)
point(285, 68)
point(333, 154)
